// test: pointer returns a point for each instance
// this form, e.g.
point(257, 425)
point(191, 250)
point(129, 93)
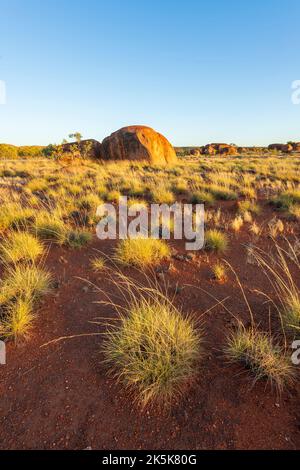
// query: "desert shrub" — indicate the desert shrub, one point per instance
point(20, 246)
point(216, 241)
point(33, 151)
point(153, 350)
point(9, 152)
point(258, 352)
point(142, 252)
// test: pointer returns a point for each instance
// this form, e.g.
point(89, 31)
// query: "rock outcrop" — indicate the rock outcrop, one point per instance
point(296, 146)
point(138, 143)
point(286, 148)
point(222, 149)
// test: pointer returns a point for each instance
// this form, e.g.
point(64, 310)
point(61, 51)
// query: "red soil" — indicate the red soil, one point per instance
point(59, 396)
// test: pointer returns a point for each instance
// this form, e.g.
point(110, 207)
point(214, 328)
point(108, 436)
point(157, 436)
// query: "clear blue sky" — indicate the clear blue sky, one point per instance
point(197, 71)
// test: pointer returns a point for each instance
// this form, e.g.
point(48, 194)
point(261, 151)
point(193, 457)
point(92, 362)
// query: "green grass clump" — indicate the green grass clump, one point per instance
point(216, 241)
point(153, 351)
point(258, 352)
point(21, 246)
point(142, 252)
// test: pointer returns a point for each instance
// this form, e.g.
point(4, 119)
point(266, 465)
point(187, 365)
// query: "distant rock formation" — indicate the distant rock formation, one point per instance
point(296, 146)
point(223, 149)
point(286, 148)
point(138, 143)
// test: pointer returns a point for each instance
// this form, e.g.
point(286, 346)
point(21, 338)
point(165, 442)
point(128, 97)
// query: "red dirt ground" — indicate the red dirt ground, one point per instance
point(59, 396)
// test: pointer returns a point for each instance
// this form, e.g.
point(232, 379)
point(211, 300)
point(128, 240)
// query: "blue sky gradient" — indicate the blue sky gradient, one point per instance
point(197, 71)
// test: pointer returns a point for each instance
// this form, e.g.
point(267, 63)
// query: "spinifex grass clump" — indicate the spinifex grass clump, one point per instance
point(219, 272)
point(19, 290)
point(248, 206)
point(78, 238)
point(153, 350)
point(287, 199)
point(29, 282)
point(51, 228)
point(14, 215)
point(142, 252)
point(258, 351)
point(216, 241)
point(20, 246)
point(202, 197)
point(98, 263)
point(18, 319)
point(278, 269)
